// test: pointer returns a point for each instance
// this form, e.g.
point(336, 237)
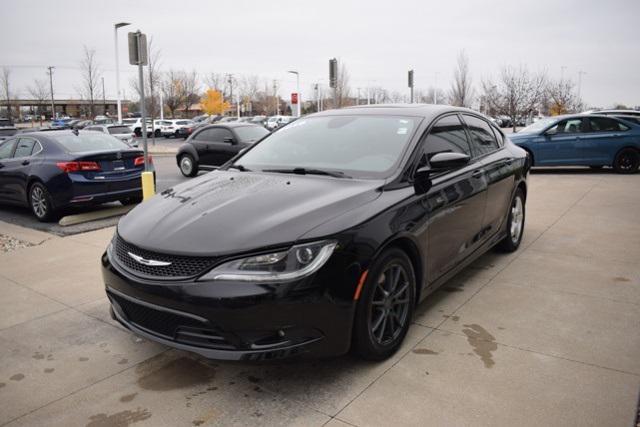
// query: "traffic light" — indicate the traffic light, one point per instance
point(333, 72)
point(411, 78)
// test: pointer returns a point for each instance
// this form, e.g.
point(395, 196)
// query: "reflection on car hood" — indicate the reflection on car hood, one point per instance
point(227, 212)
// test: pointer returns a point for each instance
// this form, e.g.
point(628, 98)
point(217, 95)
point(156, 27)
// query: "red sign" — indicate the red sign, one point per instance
point(294, 98)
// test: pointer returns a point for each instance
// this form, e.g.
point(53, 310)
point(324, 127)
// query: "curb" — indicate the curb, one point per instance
point(94, 215)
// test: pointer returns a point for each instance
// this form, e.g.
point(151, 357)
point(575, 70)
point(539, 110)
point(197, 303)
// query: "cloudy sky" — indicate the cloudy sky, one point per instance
point(377, 40)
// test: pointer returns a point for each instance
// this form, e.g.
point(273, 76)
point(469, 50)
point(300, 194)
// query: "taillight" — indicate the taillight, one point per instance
point(139, 161)
point(78, 166)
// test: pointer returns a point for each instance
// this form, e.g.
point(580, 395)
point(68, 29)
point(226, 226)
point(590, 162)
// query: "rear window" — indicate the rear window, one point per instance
point(118, 130)
point(250, 133)
point(88, 141)
point(129, 121)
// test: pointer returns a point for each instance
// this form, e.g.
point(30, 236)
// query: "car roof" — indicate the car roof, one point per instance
point(427, 111)
point(231, 125)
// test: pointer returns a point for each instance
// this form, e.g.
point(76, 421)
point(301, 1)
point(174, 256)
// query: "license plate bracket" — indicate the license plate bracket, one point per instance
point(118, 165)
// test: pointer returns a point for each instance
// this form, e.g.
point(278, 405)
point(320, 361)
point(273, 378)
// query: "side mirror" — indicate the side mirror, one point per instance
point(445, 161)
point(438, 163)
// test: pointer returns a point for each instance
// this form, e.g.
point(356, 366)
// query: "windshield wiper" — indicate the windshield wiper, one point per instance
point(239, 167)
point(305, 171)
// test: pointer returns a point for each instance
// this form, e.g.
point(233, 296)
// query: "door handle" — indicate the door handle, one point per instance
point(477, 174)
point(25, 162)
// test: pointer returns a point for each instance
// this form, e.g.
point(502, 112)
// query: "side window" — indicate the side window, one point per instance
point(25, 146)
point(605, 124)
point(446, 136)
point(499, 136)
point(482, 137)
point(566, 126)
point(204, 135)
point(223, 134)
point(6, 149)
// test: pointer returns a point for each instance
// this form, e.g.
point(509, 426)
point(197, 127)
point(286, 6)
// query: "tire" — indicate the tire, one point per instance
point(176, 135)
point(138, 132)
point(157, 133)
point(131, 200)
point(512, 240)
point(627, 161)
point(382, 320)
point(40, 203)
point(188, 165)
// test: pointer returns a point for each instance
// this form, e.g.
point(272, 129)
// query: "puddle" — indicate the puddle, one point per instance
point(621, 279)
point(179, 373)
point(83, 359)
point(483, 343)
point(423, 351)
point(123, 361)
point(2, 385)
point(17, 377)
point(128, 397)
point(119, 419)
point(49, 370)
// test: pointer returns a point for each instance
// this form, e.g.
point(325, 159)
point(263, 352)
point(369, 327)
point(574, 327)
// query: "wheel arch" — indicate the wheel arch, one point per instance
point(408, 246)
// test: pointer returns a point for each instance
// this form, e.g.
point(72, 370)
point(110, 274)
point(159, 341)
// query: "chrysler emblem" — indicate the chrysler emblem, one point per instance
point(149, 262)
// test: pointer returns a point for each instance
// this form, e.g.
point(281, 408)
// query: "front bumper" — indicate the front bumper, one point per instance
point(231, 321)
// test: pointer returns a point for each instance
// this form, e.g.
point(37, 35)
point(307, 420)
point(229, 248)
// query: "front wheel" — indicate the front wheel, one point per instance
point(627, 161)
point(188, 165)
point(40, 203)
point(515, 224)
point(385, 306)
point(134, 200)
point(158, 133)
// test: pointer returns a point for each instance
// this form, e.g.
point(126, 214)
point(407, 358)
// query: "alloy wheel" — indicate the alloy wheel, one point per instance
point(517, 219)
point(38, 201)
point(186, 165)
point(390, 306)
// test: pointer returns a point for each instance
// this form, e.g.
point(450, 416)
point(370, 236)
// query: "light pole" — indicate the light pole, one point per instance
point(297, 91)
point(115, 30)
point(104, 98)
point(53, 105)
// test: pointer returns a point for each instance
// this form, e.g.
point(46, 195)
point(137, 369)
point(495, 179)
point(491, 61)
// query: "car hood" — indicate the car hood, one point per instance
point(227, 212)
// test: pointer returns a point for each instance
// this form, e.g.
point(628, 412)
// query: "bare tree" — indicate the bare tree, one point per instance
point(342, 90)
point(5, 87)
point(40, 93)
point(90, 87)
point(172, 91)
point(516, 93)
point(215, 81)
point(461, 92)
point(190, 89)
point(562, 97)
point(430, 96)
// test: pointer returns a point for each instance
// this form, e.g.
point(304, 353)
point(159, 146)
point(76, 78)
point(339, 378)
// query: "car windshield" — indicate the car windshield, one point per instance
point(539, 125)
point(250, 133)
point(360, 146)
point(88, 141)
point(117, 130)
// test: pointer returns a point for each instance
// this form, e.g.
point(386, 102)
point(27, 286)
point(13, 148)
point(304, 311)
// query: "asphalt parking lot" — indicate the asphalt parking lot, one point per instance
point(547, 335)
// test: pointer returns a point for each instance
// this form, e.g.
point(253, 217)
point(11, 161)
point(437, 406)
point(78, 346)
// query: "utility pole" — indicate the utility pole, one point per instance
point(317, 91)
point(161, 106)
point(275, 98)
point(118, 96)
point(580, 74)
point(230, 80)
point(104, 98)
point(53, 105)
point(411, 84)
point(333, 80)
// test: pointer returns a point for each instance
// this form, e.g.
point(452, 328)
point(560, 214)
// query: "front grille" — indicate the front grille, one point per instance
point(181, 267)
point(157, 321)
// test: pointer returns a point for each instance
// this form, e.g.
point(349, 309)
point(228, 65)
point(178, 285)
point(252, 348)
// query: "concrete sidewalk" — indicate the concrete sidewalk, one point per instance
point(545, 336)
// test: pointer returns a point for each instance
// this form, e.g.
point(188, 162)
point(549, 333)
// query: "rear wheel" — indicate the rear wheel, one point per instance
point(627, 161)
point(138, 132)
point(515, 224)
point(157, 133)
point(40, 203)
point(188, 165)
point(385, 306)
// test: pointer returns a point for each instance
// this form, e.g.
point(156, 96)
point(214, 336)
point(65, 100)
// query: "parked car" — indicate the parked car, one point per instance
point(213, 145)
point(5, 122)
point(50, 171)
point(198, 119)
point(274, 122)
point(320, 238)
point(136, 125)
point(122, 132)
point(7, 132)
point(184, 128)
point(228, 119)
point(582, 140)
point(81, 124)
point(62, 123)
point(259, 120)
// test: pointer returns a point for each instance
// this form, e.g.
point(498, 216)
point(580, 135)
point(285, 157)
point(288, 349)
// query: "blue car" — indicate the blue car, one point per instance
point(53, 170)
point(582, 140)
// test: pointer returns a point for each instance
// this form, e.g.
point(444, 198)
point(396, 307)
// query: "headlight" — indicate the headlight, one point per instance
point(298, 262)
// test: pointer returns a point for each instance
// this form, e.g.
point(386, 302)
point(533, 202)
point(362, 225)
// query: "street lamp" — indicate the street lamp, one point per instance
point(116, 26)
point(297, 90)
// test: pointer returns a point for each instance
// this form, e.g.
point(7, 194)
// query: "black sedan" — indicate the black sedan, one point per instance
point(212, 146)
point(52, 170)
point(321, 237)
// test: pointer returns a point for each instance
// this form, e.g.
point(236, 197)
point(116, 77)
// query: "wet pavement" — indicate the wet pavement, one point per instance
point(545, 336)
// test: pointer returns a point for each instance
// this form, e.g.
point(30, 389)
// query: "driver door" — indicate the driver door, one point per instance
point(560, 145)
